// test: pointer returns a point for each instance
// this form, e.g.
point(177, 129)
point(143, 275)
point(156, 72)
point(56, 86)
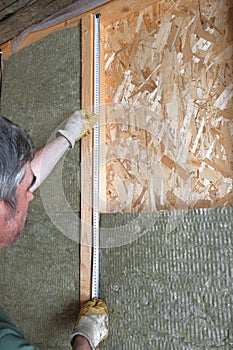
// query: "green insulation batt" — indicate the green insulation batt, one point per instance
point(39, 274)
point(168, 280)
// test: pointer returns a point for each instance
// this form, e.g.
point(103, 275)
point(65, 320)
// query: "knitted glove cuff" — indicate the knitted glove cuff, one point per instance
point(78, 125)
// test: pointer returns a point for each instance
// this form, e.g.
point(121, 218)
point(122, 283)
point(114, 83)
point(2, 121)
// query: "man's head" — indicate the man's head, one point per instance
point(16, 177)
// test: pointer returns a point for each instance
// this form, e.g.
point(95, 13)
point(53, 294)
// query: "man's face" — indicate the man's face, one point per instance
point(11, 228)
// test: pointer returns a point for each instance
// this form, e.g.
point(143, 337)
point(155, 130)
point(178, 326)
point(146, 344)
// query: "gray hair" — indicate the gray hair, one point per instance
point(15, 151)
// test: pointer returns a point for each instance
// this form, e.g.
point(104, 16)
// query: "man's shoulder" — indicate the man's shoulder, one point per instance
point(11, 338)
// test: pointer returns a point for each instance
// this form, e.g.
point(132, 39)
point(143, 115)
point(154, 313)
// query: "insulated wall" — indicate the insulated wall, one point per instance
point(169, 287)
point(39, 274)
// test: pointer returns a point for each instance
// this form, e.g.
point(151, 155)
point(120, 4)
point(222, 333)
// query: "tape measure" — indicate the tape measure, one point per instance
point(96, 160)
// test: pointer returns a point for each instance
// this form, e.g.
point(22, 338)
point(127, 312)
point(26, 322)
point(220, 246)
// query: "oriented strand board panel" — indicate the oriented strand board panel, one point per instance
point(168, 107)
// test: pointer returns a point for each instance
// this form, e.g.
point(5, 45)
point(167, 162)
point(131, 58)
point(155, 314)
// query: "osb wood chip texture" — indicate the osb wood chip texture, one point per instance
point(169, 88)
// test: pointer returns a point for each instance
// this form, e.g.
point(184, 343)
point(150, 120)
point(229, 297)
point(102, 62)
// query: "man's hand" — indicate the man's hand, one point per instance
point(78, 125)
point(92, 322)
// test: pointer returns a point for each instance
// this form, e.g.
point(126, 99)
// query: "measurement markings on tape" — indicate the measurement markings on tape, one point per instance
point(96, 160)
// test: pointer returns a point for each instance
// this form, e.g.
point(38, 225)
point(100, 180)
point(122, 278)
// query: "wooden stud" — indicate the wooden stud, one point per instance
point(86, 163)
point(103, 198)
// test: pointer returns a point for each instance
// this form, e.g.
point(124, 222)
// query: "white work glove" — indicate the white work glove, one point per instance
point(78, 125)
point(92, 322)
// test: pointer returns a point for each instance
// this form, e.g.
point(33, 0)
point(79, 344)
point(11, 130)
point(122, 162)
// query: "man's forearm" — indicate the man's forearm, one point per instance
point(46, 158)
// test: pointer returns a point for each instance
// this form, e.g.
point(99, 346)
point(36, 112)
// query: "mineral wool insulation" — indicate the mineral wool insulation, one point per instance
point(169, 286)
point(39, 274)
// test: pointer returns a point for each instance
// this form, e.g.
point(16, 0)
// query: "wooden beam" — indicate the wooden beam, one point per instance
point(17, 16)
point(102, 203)
point(110, 12)
point(118, 9)
point(86, 163)
point(33, 36)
